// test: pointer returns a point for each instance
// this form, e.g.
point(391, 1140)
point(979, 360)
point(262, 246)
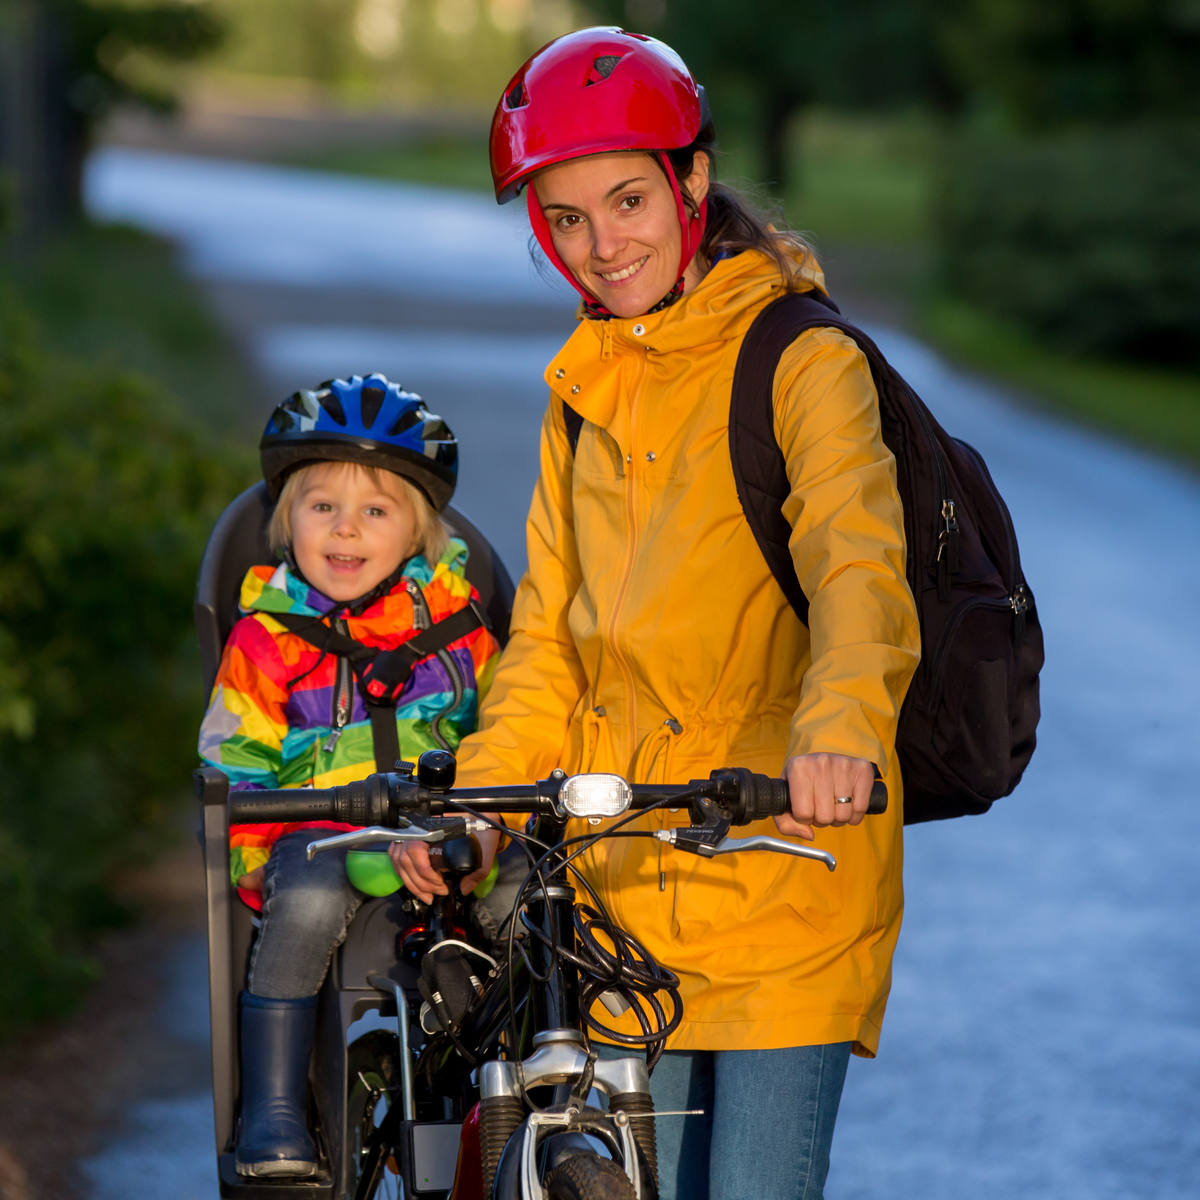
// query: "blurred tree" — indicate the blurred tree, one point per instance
point(1051, 62)
point(63, 65)
point(107, 493)
point(855, 53)
point(114, 52)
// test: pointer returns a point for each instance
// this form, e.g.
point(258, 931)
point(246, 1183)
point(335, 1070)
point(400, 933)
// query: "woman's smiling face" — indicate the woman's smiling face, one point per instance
point(615, 226)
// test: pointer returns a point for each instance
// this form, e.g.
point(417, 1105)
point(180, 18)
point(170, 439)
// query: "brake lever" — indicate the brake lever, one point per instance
point(707, 848)
point(446, 829)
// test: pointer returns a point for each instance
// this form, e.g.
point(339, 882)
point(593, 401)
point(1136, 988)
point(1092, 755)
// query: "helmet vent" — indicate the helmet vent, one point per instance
point(330, 402)
point(406, 420)
point(372, 402)
point(602, 68)
point(516, 97)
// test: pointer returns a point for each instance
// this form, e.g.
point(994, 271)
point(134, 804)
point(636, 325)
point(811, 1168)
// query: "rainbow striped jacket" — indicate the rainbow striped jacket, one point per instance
point(274, 721)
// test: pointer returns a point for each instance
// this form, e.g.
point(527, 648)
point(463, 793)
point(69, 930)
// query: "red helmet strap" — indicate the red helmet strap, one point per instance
point(541, 231)
point(691, 227)
point(691, 235)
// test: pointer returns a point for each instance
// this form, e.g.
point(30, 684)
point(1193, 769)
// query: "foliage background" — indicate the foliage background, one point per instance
point(108, 488)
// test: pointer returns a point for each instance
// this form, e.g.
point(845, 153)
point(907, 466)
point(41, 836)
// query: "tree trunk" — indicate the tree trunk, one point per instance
point(779, 108)
point(39, 150)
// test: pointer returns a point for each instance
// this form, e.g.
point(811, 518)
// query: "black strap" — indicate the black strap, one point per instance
point(759, 468)
point(392, 668)
point(389, 669)
point(324, 637)
point(385, 738)
point(574, 425)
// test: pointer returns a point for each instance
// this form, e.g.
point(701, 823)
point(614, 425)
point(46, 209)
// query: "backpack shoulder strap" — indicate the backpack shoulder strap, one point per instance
point(574, 425)
point(759, 469)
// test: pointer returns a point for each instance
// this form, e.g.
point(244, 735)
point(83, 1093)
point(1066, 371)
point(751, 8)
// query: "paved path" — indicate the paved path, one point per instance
point(1043, 1036)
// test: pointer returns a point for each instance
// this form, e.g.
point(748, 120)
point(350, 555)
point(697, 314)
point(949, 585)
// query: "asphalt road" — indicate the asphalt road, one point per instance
point(1043, 1035)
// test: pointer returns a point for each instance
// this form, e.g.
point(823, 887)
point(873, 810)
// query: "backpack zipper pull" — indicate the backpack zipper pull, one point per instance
point(1020, 605)
point(947, 555)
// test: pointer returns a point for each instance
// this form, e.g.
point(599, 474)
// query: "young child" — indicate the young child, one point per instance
point(361, 471)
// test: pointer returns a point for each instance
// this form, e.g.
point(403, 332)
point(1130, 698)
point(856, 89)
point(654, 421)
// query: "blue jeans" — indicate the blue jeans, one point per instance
point(768, 1123)
point(307, 907)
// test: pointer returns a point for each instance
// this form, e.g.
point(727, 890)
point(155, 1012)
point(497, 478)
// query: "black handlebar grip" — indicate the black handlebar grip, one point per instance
point(288, 804)
point(879, 799)
point(772, 798)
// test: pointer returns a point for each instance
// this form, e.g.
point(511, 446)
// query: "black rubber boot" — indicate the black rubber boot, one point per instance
point(276, 1041)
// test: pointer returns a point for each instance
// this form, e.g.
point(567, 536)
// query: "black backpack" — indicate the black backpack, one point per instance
point(968, 726)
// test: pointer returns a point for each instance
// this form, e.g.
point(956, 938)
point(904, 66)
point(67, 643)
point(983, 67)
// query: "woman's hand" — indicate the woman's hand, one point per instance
point(815, 781)
point(411, 860)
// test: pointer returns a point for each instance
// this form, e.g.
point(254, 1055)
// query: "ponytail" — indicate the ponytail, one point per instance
point(736, 223)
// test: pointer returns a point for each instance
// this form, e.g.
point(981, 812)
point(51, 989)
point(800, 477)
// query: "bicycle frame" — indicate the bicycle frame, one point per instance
point(477, 1074)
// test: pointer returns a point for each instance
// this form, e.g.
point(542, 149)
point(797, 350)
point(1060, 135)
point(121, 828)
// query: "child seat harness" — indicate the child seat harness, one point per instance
point(382, 675)
point(967, 728)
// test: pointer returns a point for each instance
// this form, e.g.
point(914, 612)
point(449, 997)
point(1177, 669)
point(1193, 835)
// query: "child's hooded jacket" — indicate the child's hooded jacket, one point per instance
point(273, 720)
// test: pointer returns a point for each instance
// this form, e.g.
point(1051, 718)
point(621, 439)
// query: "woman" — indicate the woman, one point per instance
point(649, 637)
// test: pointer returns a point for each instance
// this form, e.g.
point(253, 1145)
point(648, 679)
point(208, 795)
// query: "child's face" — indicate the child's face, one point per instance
point(348, 534)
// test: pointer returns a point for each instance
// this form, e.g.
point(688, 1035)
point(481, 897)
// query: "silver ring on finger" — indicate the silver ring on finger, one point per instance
point(843, 799)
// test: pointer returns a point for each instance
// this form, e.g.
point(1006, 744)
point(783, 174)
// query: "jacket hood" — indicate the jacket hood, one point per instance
point(278, 590)
point(718, 309)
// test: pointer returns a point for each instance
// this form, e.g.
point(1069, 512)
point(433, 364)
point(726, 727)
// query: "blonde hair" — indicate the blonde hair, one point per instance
point(431, 535)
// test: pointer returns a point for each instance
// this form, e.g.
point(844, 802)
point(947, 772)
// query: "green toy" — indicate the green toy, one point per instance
point(371, 871)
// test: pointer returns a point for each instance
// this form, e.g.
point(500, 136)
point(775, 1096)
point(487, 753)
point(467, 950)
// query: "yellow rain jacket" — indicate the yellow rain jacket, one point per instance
point(650, 639)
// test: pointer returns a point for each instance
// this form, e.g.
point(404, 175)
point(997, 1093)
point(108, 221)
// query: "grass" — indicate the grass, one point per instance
point(116, 297)
point(1150, 405)
point(859, 180)
point(448, 161)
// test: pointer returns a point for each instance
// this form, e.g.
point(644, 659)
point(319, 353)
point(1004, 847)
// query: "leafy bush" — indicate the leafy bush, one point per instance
point(1089, 239)
point(106, 497)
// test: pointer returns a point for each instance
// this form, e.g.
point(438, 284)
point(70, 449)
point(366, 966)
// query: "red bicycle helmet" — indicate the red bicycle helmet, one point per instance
point(596, 91)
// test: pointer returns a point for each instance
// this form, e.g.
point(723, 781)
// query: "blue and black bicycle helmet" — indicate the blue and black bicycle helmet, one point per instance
point(366, 420)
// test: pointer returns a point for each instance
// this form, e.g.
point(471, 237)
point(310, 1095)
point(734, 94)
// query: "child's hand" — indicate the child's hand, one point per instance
point(252, 881)
point(411, 860)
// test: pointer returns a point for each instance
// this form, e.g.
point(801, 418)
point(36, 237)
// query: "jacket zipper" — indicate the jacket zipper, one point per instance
point(631, 479)
point(1017, 603)
point(423, 619)
point(342, 698)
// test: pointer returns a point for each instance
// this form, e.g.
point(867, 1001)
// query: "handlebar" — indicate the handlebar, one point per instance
point(384, 800)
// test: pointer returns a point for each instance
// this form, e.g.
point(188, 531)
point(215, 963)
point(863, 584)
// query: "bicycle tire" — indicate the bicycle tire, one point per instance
point(588, 1177)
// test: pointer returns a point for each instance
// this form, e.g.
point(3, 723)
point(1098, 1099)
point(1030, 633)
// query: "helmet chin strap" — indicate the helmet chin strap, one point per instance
point(691, 227)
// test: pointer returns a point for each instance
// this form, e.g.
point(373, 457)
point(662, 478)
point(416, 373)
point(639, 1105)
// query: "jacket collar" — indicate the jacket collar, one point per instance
point(720, 308)
point(281, 591)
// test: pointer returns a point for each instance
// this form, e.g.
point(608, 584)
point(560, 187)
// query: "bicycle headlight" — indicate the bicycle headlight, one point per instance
point(595, 795)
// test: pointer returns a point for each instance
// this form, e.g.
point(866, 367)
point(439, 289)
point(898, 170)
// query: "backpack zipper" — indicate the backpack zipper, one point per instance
point(342, 698)
point(1017, 603)
point(1010, 533)
point(946, 559)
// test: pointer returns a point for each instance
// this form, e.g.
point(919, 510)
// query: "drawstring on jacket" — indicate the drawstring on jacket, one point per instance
point(656, 755)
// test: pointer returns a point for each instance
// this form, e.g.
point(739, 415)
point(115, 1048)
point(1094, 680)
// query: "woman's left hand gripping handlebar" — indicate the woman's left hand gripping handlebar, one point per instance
point(816, 783)
point(411, 860)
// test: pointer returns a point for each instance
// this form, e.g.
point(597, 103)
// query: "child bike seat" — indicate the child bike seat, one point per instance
point(239, 541)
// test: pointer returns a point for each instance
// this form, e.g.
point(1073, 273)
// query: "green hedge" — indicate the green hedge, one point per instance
point(106, 496)
point(1091, 239)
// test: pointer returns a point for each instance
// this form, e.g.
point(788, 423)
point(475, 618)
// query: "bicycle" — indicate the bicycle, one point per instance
point(497, 1103)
